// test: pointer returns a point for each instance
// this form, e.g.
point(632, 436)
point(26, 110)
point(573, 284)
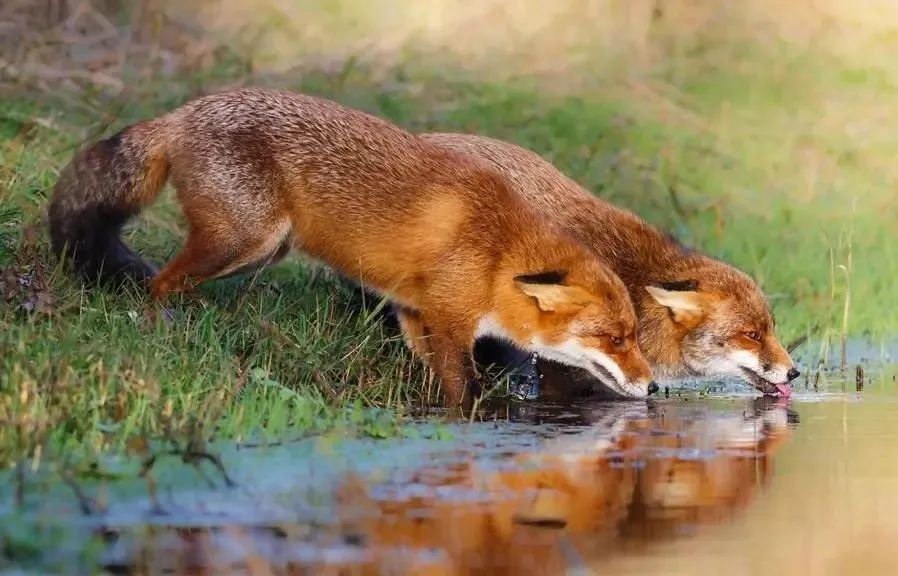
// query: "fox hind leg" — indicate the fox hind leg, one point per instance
point(414, 331)
point(269, 260)
point(220, 249)
point(198, 260)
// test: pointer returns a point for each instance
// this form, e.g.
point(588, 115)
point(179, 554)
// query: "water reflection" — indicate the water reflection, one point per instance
point(629, 479)
point(602, 479)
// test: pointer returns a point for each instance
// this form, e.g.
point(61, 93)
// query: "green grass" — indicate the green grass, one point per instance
point(753, 164)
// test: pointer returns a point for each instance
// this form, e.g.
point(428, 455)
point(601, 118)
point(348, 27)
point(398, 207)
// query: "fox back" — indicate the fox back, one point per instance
point(698, 316)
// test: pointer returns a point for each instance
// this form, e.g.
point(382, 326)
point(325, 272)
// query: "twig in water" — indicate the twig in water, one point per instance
point(272, 444)
point(192, 457)
point(89, 506)
point(845, 311)
point(215, 461)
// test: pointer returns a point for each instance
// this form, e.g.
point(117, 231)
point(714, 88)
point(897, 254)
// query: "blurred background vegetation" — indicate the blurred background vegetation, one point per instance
point(761, 131)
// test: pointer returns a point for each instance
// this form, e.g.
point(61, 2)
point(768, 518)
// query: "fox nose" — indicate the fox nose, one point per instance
point(792, 374)
point(653, 387)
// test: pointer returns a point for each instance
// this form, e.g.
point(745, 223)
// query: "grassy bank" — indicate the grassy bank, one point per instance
point(776, 159)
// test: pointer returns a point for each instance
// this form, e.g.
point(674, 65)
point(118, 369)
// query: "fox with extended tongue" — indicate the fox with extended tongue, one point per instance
point(698, 317)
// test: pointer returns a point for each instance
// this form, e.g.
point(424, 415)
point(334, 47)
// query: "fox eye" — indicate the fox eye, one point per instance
point(753, 335)
point(616, 340)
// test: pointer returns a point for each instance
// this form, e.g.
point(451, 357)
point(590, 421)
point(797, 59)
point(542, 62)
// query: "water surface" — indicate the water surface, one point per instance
point(730, 483)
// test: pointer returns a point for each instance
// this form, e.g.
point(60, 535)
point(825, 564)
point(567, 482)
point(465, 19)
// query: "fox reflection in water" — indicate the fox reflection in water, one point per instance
point(556, 490)
point(636, 475)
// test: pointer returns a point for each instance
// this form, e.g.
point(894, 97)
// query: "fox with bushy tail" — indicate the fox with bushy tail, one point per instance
point(258, 172)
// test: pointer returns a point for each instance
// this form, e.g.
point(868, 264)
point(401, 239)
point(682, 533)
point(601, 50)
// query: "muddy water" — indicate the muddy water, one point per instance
point(677, 485)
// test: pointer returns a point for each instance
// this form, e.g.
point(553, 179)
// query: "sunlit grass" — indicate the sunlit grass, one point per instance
point(777, 156)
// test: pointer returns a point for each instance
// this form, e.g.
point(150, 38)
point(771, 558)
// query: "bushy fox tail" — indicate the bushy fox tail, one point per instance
point(100, 189)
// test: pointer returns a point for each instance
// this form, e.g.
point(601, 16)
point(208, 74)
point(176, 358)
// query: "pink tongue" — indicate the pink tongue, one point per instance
point(785, 390)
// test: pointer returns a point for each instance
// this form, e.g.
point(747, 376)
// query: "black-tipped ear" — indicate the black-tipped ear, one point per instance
point(678, 285)
point(550, 277)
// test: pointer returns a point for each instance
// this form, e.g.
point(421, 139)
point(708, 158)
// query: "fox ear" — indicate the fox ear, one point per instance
point(681, 298)
point(551, 294)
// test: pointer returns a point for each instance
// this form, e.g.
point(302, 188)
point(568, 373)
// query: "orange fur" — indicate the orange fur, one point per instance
point(442, 236)
point(692, 328)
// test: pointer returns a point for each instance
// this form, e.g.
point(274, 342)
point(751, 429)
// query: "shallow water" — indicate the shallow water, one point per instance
point(674, 485)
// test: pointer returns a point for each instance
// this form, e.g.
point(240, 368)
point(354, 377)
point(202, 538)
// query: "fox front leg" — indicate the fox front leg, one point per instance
point(415, 334)
point(452, 363)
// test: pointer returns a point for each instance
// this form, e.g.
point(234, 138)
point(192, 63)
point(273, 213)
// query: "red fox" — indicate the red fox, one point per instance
point(698, 317)
point(258, 172)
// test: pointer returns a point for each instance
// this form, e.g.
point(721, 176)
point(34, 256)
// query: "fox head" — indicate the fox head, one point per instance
point(579, 315)
point(715, 322)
